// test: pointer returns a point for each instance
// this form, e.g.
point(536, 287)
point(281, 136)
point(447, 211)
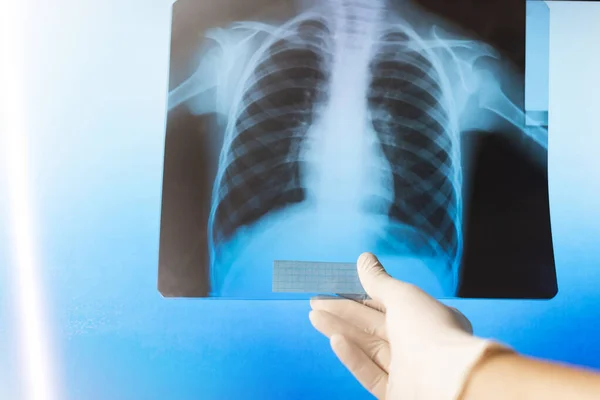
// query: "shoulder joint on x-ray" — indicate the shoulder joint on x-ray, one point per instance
point(230, 60)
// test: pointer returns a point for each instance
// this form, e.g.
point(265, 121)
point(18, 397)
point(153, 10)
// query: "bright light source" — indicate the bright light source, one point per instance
point(38, 372)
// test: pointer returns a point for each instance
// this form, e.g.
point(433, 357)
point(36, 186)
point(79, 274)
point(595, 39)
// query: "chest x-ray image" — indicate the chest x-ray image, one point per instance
point(316, 130)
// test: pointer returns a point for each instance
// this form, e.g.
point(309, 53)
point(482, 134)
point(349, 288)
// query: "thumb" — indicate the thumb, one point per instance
point(378, 284)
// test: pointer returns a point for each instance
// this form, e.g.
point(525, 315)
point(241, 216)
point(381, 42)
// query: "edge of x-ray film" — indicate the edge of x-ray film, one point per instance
point(316, 277)
point(419, 184)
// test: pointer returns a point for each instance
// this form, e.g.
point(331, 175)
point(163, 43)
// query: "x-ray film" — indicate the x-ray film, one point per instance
point(303, 133)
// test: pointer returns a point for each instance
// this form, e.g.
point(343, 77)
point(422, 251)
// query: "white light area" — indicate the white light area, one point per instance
point(31, 327)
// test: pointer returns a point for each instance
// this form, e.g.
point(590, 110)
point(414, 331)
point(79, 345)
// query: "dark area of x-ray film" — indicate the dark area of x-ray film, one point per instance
point(316, 130)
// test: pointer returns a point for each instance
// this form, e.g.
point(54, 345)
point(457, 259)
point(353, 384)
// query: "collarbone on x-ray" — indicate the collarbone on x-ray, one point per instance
point(350, 108)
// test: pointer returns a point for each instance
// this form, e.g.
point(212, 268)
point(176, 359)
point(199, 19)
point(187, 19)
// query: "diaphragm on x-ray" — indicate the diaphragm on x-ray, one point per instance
point(314, 131)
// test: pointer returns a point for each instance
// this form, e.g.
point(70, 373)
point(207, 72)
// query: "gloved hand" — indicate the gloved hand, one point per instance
point(402, 343)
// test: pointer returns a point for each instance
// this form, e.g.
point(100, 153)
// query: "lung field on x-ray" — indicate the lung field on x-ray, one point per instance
point(412, 123)
point(262, 165)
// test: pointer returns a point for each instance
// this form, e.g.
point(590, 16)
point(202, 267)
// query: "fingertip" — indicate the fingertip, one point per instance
point(369, 268)
point(338, 341)
point(318, 318)
point(365, 259)
point(317, 301)
point(369, 263)
point(375, 280)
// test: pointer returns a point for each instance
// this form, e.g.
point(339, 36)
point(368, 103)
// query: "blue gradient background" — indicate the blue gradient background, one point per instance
point(97, 94)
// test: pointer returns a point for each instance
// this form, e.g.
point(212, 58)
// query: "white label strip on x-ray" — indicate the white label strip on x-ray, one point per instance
point(316, 277)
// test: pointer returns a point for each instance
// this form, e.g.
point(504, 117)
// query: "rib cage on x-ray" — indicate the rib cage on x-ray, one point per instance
point(413, 111)
point(410, 114)
point(262, 169)
point(263, 163)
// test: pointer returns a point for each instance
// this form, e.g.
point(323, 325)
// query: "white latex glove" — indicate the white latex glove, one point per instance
point(401, 344)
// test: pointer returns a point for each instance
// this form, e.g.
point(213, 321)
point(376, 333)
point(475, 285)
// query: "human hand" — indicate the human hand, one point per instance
point(402, 343)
